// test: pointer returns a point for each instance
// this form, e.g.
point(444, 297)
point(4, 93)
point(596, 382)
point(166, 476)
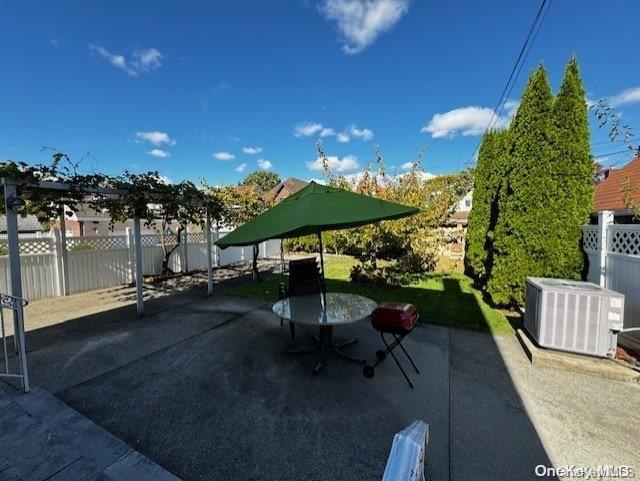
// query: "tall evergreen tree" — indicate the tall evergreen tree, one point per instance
point(487, 179)
point(574, 168)
point(523, 241)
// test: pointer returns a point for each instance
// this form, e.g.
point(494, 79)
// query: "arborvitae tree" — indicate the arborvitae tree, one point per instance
point(524, 242)
point(574, 169)
point(488, 176)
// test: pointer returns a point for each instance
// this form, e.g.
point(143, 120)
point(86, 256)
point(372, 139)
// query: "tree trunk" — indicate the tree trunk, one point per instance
point(166, 270)
point(254, 267)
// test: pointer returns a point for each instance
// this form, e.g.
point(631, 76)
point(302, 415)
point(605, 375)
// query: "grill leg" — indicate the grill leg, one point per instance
point(406, 353)
point(390, 350)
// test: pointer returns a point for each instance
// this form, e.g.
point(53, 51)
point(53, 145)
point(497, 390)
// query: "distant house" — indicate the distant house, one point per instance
point(87, 221)
point(285, 188)
point(29, 225)
point(609, 191)
point(460, 217)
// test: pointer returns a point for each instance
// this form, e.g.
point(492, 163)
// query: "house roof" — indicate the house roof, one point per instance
point(30, 223)
point(609, 193)
point(289, 186)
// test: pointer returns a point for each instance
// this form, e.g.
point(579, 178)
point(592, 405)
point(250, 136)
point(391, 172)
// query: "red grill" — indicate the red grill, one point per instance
point(396, 319)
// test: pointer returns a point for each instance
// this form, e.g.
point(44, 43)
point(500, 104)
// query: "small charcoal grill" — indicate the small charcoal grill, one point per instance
point(398, 320)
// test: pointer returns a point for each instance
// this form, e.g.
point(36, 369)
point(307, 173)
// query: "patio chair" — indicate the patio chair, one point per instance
point(304, 278)
point(398, 320)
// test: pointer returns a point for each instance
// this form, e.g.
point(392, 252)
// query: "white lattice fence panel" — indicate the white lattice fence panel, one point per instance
point(33, 245)
point(96, 243)
point(196, 238)
point(590, 237)
point(625, 239)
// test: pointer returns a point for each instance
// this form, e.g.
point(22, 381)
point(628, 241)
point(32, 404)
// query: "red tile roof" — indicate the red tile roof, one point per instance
point(609, 193)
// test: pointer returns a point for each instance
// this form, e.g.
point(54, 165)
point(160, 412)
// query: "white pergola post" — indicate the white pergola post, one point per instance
point(137, 240)
point(10, 196)
point(63, 254)
point(207, 233)
point(605, 219)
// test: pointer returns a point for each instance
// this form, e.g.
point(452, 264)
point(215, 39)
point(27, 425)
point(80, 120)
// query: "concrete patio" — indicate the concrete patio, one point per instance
point(201, 386)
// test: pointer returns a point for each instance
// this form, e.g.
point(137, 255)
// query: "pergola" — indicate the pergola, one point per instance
point(13, 204)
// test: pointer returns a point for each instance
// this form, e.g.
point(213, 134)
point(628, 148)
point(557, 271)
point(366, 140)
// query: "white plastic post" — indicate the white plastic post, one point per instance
point(57, 261)
point(184, 258)
point(130, 243)
point(216, 234)
point(137, 240)
point(605, 220)
point(10, 192)
point(64, 265)
point(207, 233)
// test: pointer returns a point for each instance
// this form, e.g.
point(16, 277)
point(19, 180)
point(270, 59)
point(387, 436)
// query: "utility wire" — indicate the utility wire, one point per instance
point(517, 67)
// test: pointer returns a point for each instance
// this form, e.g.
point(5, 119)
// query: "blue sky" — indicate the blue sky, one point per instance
point(201, 89)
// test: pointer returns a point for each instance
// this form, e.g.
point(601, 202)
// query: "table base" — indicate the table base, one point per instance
point(325, 344)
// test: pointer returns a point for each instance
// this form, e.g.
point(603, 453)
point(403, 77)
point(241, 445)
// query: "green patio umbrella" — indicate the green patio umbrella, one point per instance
point(314, 209)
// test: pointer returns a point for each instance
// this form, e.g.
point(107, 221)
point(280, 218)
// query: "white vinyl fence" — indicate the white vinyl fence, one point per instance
point(103, 261)
point(614, 261)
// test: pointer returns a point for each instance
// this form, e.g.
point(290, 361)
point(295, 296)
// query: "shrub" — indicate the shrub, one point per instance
point(371, 277)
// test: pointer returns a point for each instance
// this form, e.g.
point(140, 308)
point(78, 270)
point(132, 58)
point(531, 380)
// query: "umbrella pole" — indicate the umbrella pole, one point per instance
point(324, 288)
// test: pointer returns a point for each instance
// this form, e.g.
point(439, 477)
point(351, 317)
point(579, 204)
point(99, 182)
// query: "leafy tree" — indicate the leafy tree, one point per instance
point(487, 179)
point(238, 205)
point(264, 179)
point(413, 241)
point(524, 243)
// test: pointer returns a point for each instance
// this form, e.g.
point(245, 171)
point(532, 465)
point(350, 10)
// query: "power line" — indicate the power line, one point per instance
point(517, 67)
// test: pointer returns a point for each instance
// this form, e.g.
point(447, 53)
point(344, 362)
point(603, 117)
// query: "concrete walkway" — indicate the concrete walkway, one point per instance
point(44, 439)
point(201, 386)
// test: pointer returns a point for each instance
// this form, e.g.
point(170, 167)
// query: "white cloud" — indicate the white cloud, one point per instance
point(356, 177)
point(364, 134)
point(165, 179)
point(264, 164)
point(307, 129)
point(336, 164)
point(471, 120)
point(224, 156)
point(159, 153)
point(144, 60)
point(327, 132)
point(147, 59)
point(343, 138)
point(360, 22)
point(55, 42)
point(407, 166)
point(241, 167)
point(626, 97)
point(252, 150)
point(154, 137)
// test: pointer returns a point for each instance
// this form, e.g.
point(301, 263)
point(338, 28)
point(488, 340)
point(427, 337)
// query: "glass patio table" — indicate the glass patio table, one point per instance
point(325, 312)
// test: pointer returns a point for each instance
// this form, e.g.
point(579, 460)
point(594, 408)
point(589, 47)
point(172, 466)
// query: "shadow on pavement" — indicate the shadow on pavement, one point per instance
point(227, 403)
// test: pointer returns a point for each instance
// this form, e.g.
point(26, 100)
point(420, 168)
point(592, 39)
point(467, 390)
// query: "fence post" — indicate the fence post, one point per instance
point(216, 236)
point(64, 260)
point(137, 241)
point(605, 220)
point(184, 259)
point(129, 243)
point(207, 233)
point(56, 245)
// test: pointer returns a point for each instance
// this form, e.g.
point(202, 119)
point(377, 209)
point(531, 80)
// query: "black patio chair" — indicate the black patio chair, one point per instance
point(304, 278)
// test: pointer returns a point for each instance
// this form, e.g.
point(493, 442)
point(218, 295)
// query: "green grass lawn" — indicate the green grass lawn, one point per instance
point(446, 299)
